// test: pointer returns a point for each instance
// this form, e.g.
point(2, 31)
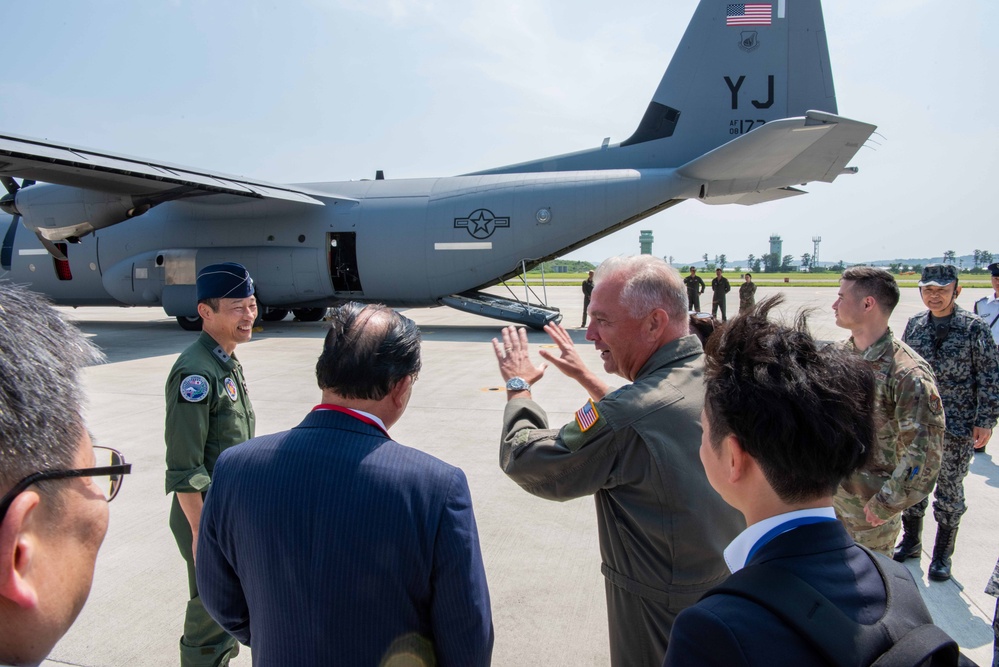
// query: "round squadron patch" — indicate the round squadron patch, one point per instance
point(194, 388)
point(230, 388)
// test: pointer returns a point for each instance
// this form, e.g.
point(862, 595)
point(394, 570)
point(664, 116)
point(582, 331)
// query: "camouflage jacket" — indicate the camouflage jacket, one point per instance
point(909, 418)
point(747, 295)
point(992, 588)
point(966, 366)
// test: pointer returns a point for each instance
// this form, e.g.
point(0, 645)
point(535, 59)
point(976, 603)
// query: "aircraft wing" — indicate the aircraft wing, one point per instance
point(44, 161)
point(778, 154)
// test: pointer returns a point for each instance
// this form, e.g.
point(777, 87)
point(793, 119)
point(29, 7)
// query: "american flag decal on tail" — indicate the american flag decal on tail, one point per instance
point(748, 14)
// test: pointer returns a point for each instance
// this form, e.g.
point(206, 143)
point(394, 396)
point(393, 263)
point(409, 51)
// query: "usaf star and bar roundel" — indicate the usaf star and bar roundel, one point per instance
point(194, 388)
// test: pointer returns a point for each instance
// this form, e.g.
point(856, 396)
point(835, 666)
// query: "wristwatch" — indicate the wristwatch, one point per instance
point(517, 384)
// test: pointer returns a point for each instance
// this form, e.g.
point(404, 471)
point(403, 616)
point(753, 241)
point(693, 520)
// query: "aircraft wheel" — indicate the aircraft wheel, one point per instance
point(190, 323)
point(309, 314)
point(274, 314)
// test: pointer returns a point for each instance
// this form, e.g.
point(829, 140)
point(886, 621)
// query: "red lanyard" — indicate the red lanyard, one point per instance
point(353, 413)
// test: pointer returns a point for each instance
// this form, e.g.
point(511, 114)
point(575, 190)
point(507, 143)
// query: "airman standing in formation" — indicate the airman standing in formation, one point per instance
point(695, 288)
point(719, 288)
point(747, 294)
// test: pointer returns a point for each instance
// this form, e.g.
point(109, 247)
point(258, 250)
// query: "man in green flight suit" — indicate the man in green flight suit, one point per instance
point(207, 411)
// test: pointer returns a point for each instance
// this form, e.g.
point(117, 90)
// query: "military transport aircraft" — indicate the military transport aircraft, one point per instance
point(745, 111)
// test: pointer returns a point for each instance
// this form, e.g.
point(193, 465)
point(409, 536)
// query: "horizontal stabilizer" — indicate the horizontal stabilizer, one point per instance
point(105, 172)
point(751, 198)
point(790, 151)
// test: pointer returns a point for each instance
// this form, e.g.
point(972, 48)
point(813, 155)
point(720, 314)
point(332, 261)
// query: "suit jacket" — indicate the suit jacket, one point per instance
point(729, 630)
point(331, 544)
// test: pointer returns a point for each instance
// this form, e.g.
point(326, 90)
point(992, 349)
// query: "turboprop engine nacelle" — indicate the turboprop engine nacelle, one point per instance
point(78, 211)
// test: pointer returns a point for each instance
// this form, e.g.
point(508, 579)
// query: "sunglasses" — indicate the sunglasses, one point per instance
point(107, 476)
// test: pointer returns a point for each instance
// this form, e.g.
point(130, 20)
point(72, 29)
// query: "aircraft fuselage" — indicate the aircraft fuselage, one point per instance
point(403, 242)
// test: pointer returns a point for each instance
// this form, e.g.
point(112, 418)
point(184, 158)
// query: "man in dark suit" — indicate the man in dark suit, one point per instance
point(784, 422)
point(332, 544)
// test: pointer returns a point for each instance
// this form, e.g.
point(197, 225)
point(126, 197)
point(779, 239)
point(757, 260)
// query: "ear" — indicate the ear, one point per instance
point(399, 391)
point(658, 322)
point(957, 291)
point(205, 311)
point(19, 549)
point(739, 461)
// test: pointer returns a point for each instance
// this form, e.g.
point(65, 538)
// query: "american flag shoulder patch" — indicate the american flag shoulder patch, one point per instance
point(587, 416)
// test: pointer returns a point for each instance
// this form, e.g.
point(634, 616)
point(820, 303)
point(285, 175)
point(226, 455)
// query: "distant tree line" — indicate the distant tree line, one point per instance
point(571, 266)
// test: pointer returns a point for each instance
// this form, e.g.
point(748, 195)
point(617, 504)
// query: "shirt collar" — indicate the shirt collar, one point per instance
point(365, 415)
point(878, 349)
point(737, 553)
point(672, 352)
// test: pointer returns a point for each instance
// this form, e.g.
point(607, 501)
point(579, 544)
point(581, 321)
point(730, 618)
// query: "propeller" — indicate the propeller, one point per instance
point(7, 204)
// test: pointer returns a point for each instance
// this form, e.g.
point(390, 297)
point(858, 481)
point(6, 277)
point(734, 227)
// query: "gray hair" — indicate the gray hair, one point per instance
point(41, 401)
point(649, 283)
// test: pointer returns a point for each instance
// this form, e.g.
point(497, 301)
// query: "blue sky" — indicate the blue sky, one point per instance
point(327, 90)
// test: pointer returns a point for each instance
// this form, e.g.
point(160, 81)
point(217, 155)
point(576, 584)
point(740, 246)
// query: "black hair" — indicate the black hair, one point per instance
point(367, 350)
point(804, 413)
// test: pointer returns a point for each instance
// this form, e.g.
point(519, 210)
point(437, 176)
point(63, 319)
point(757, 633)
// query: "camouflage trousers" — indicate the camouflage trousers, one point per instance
point(948, 496)
point(850, 511)
point(995, 637)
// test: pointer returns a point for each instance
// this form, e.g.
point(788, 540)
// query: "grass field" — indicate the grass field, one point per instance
point(795, 279)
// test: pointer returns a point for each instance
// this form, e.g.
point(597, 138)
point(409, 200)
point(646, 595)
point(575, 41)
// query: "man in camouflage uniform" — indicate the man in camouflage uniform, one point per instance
point(993, 589)
point(747, 294)
point(207, 411)
point(908, 415)
point(960, 349)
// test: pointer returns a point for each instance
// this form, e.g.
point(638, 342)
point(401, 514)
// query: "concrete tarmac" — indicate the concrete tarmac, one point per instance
point(541, 557)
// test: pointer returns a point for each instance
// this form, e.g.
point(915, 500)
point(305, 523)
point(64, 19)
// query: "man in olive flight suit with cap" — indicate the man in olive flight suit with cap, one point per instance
point(207, 411)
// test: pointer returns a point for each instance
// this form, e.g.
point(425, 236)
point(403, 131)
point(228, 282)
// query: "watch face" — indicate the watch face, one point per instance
point(517, 384)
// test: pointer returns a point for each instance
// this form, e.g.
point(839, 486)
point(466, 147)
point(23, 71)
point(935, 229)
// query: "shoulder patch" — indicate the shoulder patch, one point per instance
point(230, 389)
point(587, 416)
point(194, 388)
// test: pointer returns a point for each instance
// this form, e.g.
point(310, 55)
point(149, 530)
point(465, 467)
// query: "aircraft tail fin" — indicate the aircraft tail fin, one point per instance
point(738, 66)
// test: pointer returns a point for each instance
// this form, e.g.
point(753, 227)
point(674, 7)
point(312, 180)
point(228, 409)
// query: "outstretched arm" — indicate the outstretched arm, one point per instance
point(571, 364)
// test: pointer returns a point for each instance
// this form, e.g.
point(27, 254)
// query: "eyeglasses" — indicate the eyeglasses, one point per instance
point(107, 476)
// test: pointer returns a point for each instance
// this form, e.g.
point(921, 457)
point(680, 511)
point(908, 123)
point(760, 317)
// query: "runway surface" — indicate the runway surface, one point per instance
point(541, 557)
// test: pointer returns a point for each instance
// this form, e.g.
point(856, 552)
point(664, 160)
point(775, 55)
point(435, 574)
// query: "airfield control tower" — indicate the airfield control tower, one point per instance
point(645, 240)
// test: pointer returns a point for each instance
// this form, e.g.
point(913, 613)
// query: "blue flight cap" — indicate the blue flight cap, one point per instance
point(994, 268)
point(227, 280)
